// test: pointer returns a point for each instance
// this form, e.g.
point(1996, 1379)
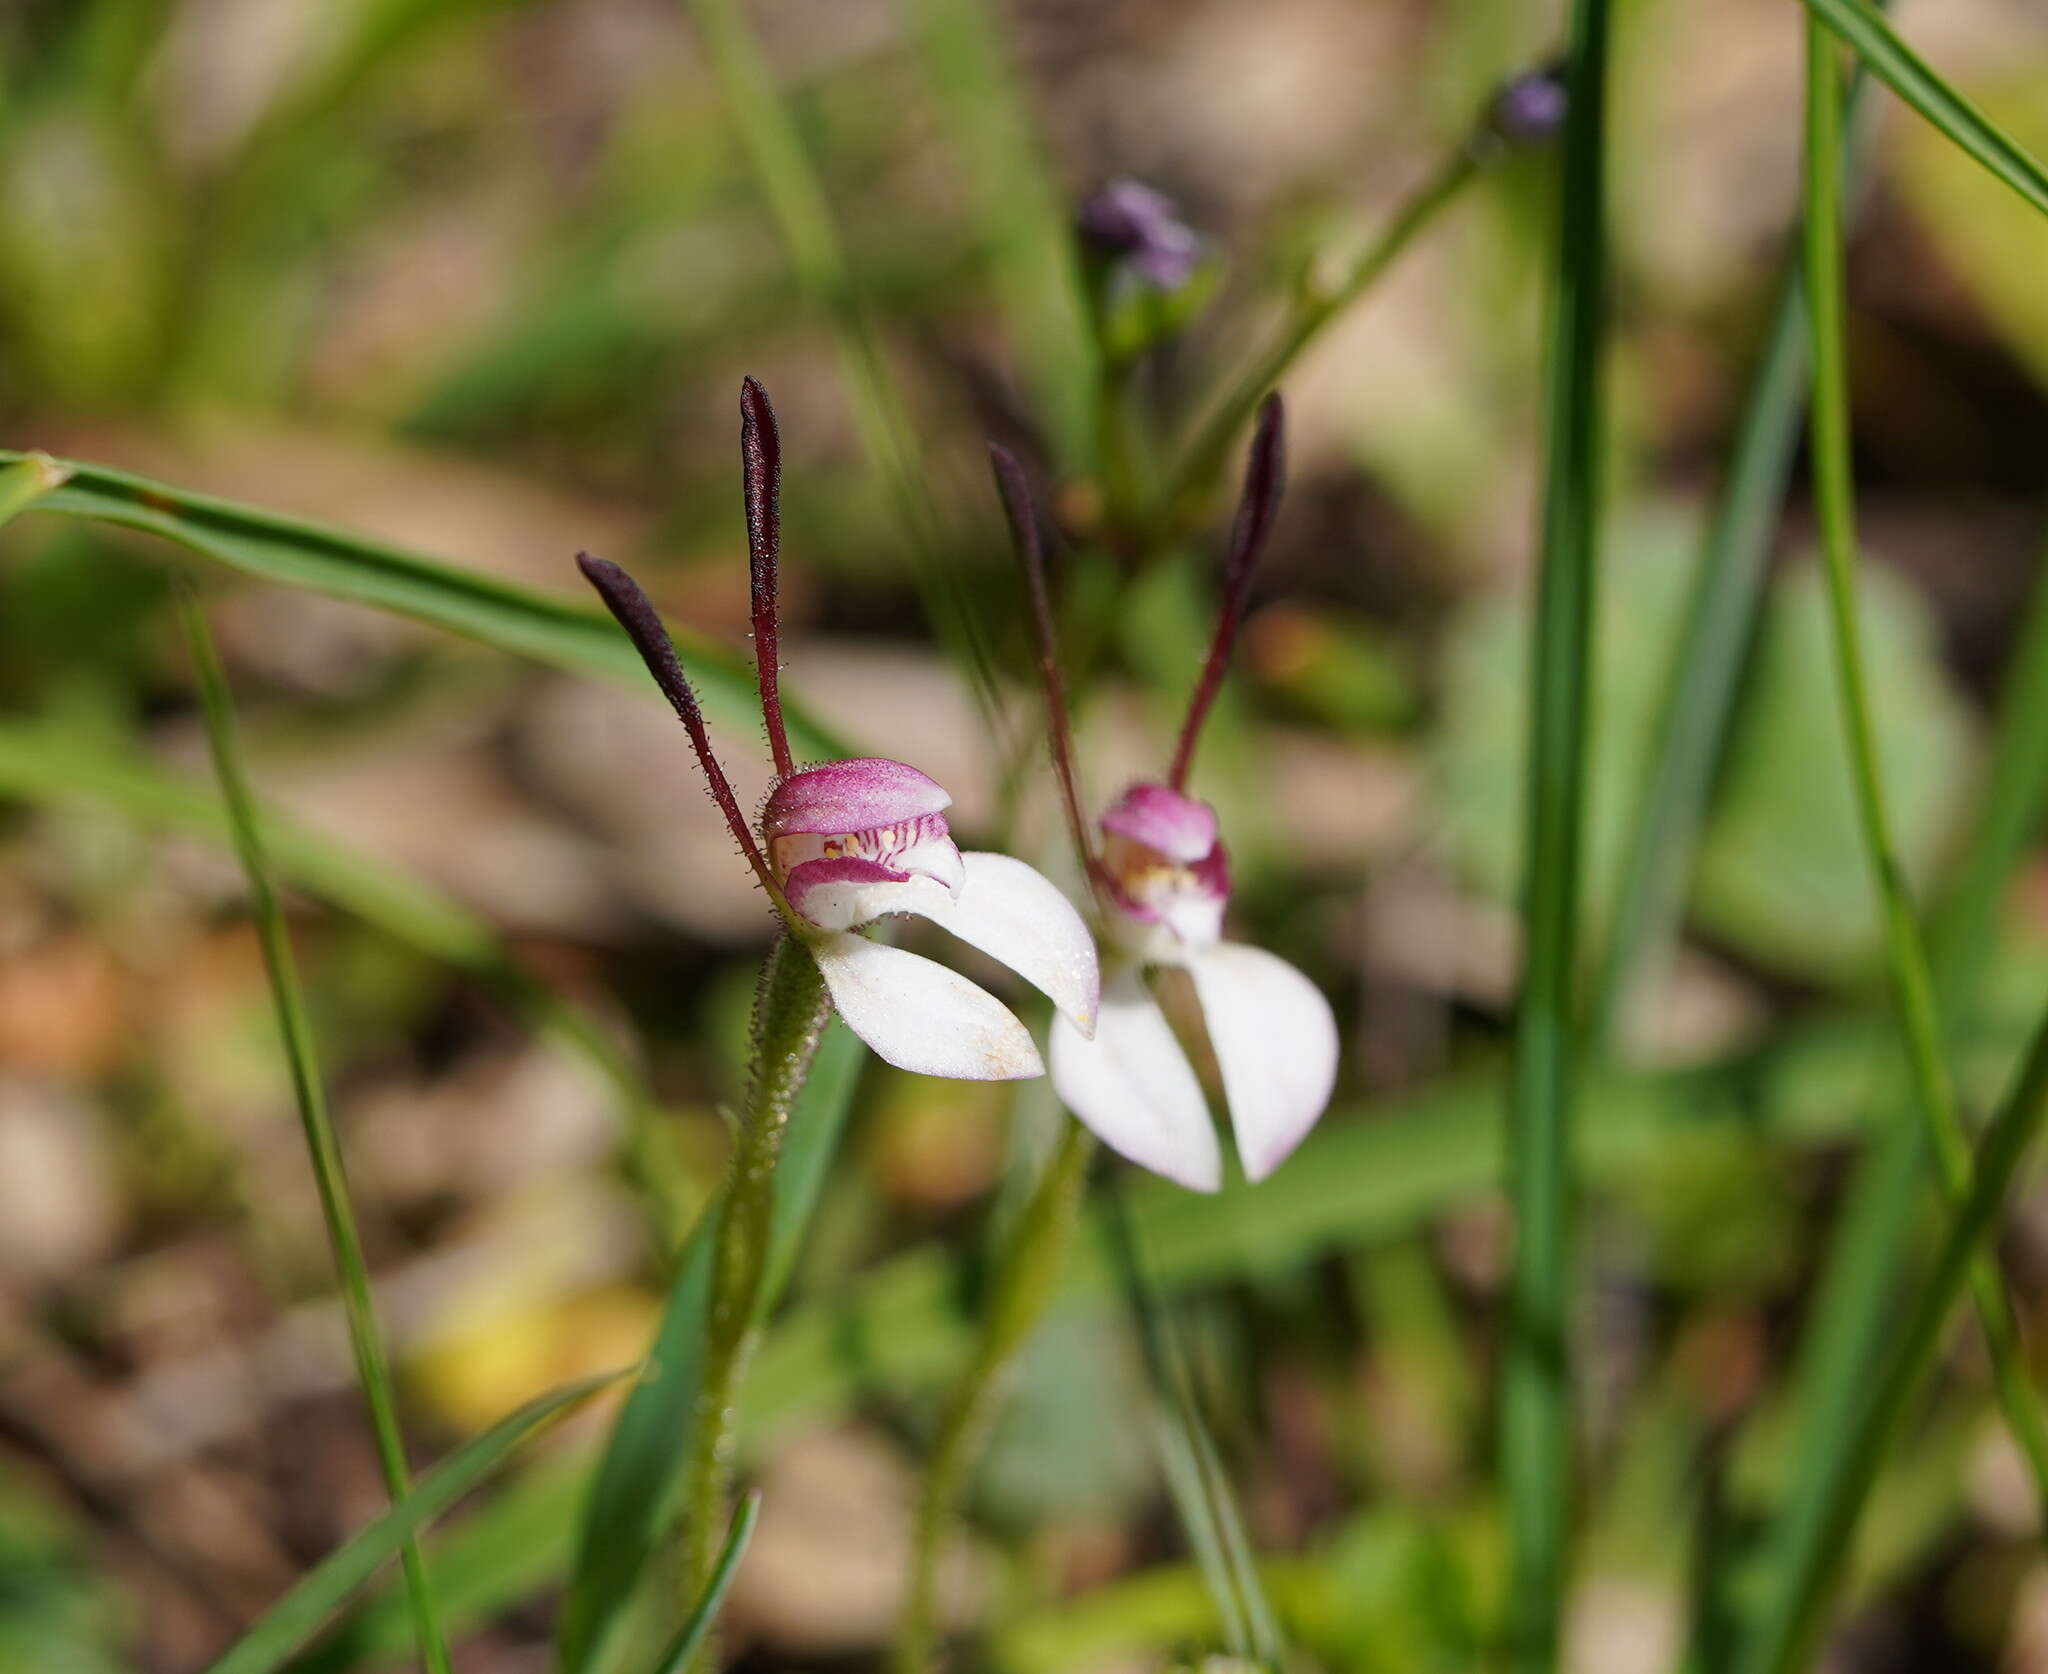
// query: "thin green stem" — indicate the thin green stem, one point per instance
point(683, 1649)
point(1535, 1412)
point(797, 199)
point(1804, 1581)
point(1026, 1276)
point(1195, 1474)
point(1319, 298)
point(310, 1093)
point(1912, 976)
point(790, 1012)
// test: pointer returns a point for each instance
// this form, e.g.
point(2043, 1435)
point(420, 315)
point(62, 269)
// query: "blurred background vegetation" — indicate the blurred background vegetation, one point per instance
point(480, 278)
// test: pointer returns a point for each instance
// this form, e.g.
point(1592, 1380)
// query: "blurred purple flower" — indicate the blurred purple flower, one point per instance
point(1530, 108)
point(1127, 220)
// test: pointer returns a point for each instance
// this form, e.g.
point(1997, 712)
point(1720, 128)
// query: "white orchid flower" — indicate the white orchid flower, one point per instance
point(845, 843)
point(1162, 882)
point(1166, 880)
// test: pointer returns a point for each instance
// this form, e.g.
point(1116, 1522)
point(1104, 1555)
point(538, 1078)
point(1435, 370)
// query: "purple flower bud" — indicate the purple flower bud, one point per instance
point(1530, 108)
point(1166, 871)
point(1127, 220)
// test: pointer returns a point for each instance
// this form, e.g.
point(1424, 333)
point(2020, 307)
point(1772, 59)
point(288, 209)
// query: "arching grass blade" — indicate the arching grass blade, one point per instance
point(287, 1624)
point(310, 1092)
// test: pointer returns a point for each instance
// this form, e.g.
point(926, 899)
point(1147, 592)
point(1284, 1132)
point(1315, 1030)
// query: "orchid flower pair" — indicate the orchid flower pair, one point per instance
point(1161, 880)
point(845, 843)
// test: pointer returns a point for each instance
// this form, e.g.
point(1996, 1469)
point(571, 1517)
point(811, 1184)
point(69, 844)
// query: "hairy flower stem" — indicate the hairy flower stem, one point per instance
point(790, 1011)
point(1026, 1271)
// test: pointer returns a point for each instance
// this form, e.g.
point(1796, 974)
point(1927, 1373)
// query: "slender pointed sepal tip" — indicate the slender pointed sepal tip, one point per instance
point(1015, 494)
point(635, 613)
point(1265, 478)
point(761, 469)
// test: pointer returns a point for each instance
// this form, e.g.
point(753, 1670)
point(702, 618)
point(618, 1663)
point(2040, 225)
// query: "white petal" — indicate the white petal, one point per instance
point(1013, 914)
point(920, 1016)
point(1133, 1086)
point(1276, 1044)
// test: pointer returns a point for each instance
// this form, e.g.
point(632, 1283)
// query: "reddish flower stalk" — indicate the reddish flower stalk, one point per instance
point(761, 461)
point(1024, 539)
point(1264, 476)
point(642, 622)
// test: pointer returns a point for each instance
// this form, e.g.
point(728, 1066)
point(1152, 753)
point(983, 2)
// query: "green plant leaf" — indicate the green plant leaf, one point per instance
point(309, 1093)
point(339, 565)
point(1908, 75)
point(287, 1624)
point(633, 1492)
point(63, 765)
point(1995, 252)
point(1545, 1074)
point(1814, 1537)
point(698, 1628)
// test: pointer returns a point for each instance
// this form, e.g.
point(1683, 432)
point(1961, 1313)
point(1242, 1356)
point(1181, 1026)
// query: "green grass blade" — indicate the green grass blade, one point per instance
point(1912, 974)
point(1228, 413)
point(503, 1554)
point(310, 1092)
point(1026, 1267)
point(1023, 215)
point(683, 1650)
point(2015, 792)
point(53, 764)
point(1808, 1564)
point(1706, 672)
point(634, 1492)
point(1909, 76)
point(287, 1624)
point(1369, 1176)
point(295, 553)
point(1535, 1406)
point(796, 197)
point(62, 765)
point(1720, 621)
point(1195, 1476)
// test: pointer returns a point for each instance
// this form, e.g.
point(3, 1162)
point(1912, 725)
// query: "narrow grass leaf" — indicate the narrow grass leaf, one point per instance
point(796, 196)
point(63, 765)
point(634, 1492)
point(1906, 952)
point(1720, 621)
point(1030, 1256)
point(683, 1650)
point(1535, 1406)
point(2015, 792)
point(1195, 1476)
point(1369, 1176)
point(1818, 1537)
point(287, 1624)
point(1023, 215)
point(339, 565)
point(1227, 413)
point(1908, 75)
point(310, 1092)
